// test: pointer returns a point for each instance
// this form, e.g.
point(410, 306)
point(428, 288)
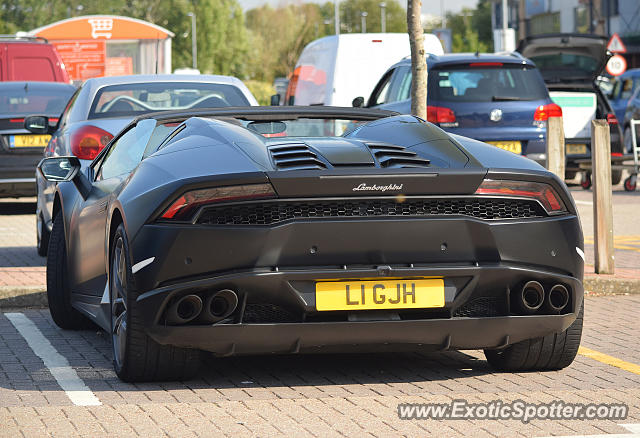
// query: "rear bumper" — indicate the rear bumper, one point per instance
point(482, 264)
point(17, 187)
point(454, 333)
point(477, 313)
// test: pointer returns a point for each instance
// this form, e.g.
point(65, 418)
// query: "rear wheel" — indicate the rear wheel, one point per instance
point(58, 291)
point(552, 352)
point(616, 177)
point(137, 357)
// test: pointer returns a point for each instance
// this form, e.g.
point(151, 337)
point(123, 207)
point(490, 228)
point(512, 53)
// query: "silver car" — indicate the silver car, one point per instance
point(102, 107)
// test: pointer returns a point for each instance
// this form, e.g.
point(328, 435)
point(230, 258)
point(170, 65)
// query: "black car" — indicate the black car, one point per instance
point(20, 151)
point(312, 229)
point(570, 65)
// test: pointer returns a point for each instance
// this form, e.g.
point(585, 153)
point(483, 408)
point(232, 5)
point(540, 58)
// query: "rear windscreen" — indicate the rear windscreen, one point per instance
point(133, 99)
point(486, 84)
point(32, 100)
point(566, 66)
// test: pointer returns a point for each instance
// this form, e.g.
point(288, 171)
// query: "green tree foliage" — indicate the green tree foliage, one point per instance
point(278, 36)
point(351, 18)
point(223, 40)
point(471, 29)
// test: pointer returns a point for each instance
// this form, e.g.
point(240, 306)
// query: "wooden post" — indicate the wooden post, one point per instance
point(602, 202)
point(555, 146)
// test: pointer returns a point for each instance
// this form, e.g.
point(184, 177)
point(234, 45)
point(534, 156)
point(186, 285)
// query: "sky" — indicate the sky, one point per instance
point(428, 6)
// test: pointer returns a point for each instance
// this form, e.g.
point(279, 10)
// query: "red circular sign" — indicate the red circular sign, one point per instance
point(616, 65)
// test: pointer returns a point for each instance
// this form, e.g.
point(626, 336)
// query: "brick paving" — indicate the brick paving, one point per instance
point(311, 395)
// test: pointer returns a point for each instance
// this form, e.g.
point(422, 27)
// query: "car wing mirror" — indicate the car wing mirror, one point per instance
point(37, 124)
point(58, 169)
point(358, 102)
point(61, 169)
point(275, 100)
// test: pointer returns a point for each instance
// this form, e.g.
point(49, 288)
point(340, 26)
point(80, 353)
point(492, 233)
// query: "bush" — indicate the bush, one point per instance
point(261, 90)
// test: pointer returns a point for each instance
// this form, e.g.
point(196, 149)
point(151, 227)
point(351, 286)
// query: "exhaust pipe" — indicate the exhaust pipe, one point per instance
point(530, 298)
point(557, 299)
point(218, 306)
point(184, 309)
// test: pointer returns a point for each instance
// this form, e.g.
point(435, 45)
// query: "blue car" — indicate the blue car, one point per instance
point(498, 99)
point(622, 88)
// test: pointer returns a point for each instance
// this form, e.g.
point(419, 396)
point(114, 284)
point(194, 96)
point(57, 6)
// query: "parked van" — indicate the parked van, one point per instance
point(30, 59)
point(336, 69)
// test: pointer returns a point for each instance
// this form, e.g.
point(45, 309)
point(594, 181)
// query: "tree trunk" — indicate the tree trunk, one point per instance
point(418, 60)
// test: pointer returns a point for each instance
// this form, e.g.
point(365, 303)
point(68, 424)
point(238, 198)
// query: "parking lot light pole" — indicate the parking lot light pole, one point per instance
point(383, 17)
point(363, 22)
point(336, 16)
point(194, 41)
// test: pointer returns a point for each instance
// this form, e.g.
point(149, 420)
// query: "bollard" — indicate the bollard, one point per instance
point(602, 202)
point(555, 146)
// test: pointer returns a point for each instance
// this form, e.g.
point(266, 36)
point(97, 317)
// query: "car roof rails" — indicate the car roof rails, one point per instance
point(6, 37)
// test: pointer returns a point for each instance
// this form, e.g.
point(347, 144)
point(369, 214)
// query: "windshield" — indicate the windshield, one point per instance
point(562, 67)
point(27, 99)
point(486, 84)
point(134, 99)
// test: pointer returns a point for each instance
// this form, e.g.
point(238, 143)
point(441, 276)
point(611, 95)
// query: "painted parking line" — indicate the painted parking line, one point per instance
point(629, 243)
point(609, 360)
point(582, 202)
point(65, 375)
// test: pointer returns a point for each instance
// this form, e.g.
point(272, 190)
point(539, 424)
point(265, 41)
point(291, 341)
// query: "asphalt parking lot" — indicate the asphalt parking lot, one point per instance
point(61, 383)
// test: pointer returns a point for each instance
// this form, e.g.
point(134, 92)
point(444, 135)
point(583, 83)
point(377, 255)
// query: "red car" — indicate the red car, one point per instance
point(30, 59)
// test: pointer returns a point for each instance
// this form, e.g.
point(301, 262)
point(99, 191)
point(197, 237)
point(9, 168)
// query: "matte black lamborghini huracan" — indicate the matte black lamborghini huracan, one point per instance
point(286, 230)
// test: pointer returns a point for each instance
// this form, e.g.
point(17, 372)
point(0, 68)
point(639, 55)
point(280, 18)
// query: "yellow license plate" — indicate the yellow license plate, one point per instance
point(576, 149)
point(511, 146)
point(29, 141)
point(380, 294)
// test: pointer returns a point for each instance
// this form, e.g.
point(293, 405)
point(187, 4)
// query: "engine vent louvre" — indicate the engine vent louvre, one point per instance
point(396, 156)
point(295, 156)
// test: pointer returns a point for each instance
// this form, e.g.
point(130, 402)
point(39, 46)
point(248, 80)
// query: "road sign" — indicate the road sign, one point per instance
point(616, 45)
point(616, 65)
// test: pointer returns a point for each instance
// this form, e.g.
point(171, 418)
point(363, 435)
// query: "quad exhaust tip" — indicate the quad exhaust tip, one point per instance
point(531, 297)
point(218, 306)
point(184, 310)
point(557, 298)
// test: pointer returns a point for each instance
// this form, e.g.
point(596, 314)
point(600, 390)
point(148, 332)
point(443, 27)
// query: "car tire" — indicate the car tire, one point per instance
point(58, 292)
point(551, 352)
point(616, 177)
point(43, 236)
point(137, 357)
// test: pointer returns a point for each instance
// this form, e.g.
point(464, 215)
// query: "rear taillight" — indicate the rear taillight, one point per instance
point(543, 112)
point(440, 114)
point(88, 141)
point(541, 192)
point(184, 207)
point(612, 119)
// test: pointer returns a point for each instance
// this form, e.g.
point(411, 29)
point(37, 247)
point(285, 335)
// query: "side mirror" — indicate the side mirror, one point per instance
point(275, 100)
point(37, 124)
point(58, 169)
point(358, 102)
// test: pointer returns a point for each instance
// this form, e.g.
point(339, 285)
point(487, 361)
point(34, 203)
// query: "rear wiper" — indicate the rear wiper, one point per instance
point(505, 98)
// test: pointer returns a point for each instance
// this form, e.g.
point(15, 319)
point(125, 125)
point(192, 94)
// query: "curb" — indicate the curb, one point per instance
point(36, 296)
point(608, 285)
point(22, 296)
